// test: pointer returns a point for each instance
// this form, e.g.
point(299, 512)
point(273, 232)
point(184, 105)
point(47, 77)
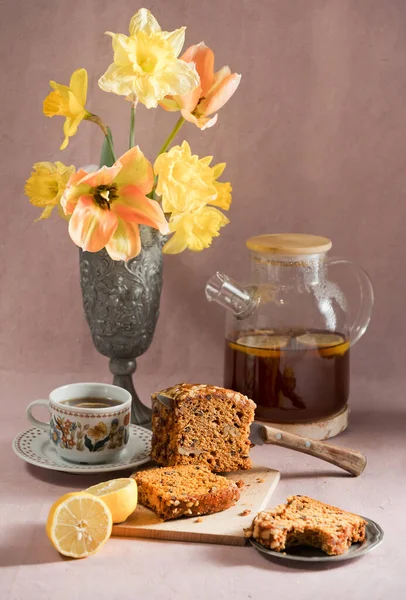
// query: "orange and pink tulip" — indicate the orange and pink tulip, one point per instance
point(214, 91)
point(107, 206)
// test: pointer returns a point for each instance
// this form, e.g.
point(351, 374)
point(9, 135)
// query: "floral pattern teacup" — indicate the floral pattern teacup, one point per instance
point(86, 435)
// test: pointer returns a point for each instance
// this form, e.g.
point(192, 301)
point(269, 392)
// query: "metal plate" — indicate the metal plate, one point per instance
point(373, 537)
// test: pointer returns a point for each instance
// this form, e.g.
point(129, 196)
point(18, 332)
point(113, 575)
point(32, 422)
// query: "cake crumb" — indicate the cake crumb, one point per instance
point(199, 520)
point(245, 513)
point(240, 484)
point(260, 480)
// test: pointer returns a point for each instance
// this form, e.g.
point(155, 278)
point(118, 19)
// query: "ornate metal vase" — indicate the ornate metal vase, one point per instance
point(121, 304)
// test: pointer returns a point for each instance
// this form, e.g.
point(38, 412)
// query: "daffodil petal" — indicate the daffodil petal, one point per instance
point(71, 126)
point(219, 169)
point(176, 39)
point(206, 160)
point(223, 199)
point(90, 226)
point(120, 43)
point(78, 85)
point(116, 82)
point(64, 143)
point(135, 170)
point(175, 245)
point(181, 77)
point(144, 20)
point(134, 207)
point(50, 106)
point(75, 108)
point(46, 213)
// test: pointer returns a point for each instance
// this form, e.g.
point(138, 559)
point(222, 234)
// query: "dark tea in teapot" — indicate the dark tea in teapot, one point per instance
point(292, 376)
point(289, 329)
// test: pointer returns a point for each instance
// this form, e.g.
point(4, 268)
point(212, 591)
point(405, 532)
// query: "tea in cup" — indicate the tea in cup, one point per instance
point(89, 422)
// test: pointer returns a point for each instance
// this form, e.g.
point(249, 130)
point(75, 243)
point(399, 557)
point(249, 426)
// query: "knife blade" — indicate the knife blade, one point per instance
point(166, 401)
point(350, 460)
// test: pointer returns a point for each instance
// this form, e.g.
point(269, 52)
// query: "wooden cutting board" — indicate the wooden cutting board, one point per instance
point(221, 528)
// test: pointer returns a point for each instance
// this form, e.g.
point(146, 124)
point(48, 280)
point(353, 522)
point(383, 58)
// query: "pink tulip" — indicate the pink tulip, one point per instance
point(214, 91)
point(107, 206)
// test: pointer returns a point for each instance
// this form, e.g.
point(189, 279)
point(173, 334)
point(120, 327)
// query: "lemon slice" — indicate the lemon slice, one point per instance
point(328, 344)
point(320, 340)
point(264, 340)
point(266, 345)
point(79, 524)
point(120, 495)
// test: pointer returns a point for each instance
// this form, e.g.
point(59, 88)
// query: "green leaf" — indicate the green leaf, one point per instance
point(107, 158)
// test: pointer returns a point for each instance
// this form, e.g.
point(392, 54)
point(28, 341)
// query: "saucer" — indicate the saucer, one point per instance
point(34, 446)
point(373, 537)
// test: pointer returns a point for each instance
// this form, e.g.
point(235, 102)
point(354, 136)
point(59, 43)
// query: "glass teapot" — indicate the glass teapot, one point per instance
point(288, 334)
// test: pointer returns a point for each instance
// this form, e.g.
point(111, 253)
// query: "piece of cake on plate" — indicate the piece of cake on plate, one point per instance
point(206, 425)
point(303, 521)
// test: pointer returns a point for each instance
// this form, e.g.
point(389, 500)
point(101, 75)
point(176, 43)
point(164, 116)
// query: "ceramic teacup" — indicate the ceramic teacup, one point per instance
point(89, 422)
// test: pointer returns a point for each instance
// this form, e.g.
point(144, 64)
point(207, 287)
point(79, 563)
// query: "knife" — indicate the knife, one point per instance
point(350, 460)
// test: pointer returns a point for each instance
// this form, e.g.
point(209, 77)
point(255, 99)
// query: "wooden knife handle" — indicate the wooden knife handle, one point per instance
point(350, 460)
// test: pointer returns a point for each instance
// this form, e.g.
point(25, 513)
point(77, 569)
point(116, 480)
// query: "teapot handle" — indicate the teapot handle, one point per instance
point(359, 327)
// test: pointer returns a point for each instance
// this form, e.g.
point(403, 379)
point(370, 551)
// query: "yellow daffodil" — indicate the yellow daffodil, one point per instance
point(46, 186)
point(186, 182)
point(187, 186)
point(194, 230)
point(146, 64)
point(68, 101)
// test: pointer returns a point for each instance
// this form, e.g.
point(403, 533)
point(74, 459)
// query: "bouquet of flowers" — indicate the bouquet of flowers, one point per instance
point(179, 194)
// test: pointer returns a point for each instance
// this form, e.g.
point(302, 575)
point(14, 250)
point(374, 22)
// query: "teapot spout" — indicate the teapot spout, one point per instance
point(240, 300)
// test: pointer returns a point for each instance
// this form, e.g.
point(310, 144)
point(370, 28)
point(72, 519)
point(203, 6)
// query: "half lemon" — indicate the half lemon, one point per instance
point(79, 524)
point(120, 495)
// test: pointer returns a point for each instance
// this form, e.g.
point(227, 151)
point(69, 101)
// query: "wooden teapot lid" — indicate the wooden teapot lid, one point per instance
point(289, 243)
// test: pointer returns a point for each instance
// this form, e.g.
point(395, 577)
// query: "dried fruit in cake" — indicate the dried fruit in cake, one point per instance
point(303, 521)
point(185, 491)
point(207, 425)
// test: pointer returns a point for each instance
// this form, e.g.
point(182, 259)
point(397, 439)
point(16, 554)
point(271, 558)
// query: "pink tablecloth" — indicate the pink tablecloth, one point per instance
point(129, 568)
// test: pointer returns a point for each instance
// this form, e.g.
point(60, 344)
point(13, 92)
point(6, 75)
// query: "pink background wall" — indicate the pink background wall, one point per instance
point(315, 141)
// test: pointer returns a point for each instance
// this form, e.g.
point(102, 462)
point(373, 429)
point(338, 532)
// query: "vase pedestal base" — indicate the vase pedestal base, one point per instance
point(322, 429)
point(123, 369)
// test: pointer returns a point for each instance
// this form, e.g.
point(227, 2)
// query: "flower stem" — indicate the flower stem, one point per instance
point(172, 135)
point(132, 123)
point(99, 122)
